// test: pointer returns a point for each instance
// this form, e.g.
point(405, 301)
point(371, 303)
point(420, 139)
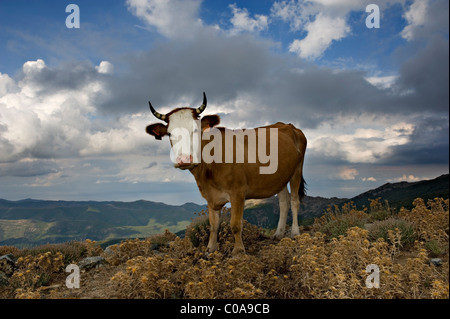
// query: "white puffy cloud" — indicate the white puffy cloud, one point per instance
point(172, 18)
point(323, 21)
point(105, 67)
point(321, 33)
point(53, 134)
point(40, 120)
point(242, 22)
point(416, 16)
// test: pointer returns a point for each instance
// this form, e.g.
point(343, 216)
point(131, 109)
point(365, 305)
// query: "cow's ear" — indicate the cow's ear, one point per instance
point(210, 121)
point(158, 130)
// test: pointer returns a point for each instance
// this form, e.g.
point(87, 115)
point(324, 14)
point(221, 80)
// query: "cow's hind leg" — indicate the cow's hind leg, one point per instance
point(283, 199)
point(297, 185)
point(237, 213)
point(214, 216)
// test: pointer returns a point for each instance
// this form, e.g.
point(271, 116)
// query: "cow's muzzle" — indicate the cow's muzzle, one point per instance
point(185, 162)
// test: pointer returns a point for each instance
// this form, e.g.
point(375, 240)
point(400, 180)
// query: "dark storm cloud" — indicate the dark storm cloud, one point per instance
point(429, 144)
point(225, 67)
point(221, 66)
point(28, 168)
point(426, 77)
point(279, 86)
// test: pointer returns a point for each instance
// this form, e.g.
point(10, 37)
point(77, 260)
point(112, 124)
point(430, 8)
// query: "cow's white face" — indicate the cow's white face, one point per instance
point(183, 130)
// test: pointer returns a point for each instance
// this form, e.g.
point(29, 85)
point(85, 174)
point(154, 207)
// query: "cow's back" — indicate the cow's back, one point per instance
point(216, 178)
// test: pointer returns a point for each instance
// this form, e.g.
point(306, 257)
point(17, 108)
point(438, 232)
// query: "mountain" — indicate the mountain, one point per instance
point(265, 212)
point(403, 193)
point(32, 222)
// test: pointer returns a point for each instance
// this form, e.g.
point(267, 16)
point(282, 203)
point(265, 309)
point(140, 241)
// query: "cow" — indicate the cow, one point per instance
point(222, 181)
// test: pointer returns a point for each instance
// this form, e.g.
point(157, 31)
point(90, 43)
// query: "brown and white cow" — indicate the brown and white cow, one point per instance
point(234, 181)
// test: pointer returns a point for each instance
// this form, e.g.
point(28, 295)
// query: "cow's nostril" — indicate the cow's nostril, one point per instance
point(184, 159)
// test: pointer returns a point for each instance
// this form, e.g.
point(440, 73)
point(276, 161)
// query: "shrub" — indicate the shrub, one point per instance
point(71, 251)
point(198, 233)
point(335, 222)
point(378, 210)
point(431, 222)
point(388, 228)
point(35, 271)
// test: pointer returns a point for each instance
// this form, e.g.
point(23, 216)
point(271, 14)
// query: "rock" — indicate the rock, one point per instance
point(109, 250)
point(436, 261)
point(91, 262)
point(7, 264)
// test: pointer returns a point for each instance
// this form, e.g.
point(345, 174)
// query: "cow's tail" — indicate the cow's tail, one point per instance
point(302, 189)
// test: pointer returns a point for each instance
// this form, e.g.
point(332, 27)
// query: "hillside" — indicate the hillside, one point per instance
point(33, 222)
point(265, 212)
point(403, 193)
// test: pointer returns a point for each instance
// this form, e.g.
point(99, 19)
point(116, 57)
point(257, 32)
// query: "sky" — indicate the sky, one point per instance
point(372, 102)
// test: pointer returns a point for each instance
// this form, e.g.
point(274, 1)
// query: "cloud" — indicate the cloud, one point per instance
point(416, 17)
point(44, 114)
point(424, 77)
point(105, 67)
point(28, 168)
point(321, 33)
point(348, 174)
point(242, 22)
point(174, 74)
point(51, 112)
point(172, 18)
point(369, 179)
point(382, 82)
point(364, 145)
point(429, 144)
point(425, 19)
point(323, 22)
point(406, 178)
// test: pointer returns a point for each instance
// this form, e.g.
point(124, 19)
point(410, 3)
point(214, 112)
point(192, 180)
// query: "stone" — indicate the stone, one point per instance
point(436, 261)
point(91, 262)
point(7, 264)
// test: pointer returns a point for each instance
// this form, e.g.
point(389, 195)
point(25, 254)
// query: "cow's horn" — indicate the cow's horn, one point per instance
point(156, 114)
point(203, 106)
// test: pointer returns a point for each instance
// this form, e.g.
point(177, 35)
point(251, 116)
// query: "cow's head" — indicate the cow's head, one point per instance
point(182, 128)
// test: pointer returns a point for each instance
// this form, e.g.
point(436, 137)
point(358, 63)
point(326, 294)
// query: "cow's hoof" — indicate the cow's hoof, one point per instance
point(277, 236)
point(295, 232)
point(237, 251)
point(211, 249)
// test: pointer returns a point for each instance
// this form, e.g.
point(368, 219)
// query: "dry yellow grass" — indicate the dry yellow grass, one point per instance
point(311, 265)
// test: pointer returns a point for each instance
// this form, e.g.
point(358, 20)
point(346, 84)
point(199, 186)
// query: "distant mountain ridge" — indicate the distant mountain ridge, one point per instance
point(264, 213)
point(31, 222)
point(403, 193)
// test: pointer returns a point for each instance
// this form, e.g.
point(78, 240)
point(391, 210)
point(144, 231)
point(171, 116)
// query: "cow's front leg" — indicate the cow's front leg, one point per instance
point(237, 213)
point(214, 216)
